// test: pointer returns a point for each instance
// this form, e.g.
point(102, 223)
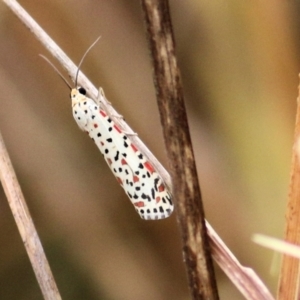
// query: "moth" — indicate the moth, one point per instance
point(140, 180)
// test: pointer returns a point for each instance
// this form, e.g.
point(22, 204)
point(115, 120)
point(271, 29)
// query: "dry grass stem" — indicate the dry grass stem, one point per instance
point(277, 245)
point(186, 190)
point(245, 279)
point(289, 275)
point(26, 227)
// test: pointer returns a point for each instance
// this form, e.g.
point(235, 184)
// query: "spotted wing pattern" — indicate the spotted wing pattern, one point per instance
point(142, 184)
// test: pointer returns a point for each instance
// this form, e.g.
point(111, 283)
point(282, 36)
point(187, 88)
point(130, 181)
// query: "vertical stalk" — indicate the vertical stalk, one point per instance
point(186, 190)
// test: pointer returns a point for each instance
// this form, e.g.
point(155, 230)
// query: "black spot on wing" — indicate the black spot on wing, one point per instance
point(153, 193)
point(116, 158)
point(156, 180)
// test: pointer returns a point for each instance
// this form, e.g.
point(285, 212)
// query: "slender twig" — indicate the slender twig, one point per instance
point(252, 288)
point(290, 267)
point(245, 279)
point(26, 227)
point(186, 190)
point(277, 245)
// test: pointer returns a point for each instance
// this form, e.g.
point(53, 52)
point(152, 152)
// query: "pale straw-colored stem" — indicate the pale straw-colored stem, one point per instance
point(26, 227)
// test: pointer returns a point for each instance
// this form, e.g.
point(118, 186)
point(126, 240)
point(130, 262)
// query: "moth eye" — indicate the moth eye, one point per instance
point(82, 90)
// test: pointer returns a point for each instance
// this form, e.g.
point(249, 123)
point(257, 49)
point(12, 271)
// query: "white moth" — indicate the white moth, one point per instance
point(139, 179)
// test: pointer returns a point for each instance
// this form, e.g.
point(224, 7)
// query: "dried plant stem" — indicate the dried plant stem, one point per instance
point(26, 227)
point(288, 287)
point(245, 279)
point(249, 284)
point(186, 190)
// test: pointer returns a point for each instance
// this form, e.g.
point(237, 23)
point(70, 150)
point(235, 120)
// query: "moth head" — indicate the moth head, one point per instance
point(81, 90)
point(77, 91)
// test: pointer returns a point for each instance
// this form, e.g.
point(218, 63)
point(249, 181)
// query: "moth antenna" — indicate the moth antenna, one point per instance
point(56, 70)
point(83, 57)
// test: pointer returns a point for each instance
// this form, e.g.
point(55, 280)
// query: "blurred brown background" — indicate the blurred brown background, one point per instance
point(239, 64)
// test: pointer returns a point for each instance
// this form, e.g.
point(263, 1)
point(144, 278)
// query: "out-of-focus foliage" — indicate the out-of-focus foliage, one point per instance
point(239, 63)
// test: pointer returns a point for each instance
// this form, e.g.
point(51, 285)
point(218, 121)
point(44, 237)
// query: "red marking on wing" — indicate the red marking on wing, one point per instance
point(161, 188)
point(135, 179)
point(95, 125)
point(134, 148)
point(101, 143)
point(109, 161)
point(119, 180)
point(123, 161)
point(157, 199)
point(139, 204)
point(149, 167)
point(117, 128)
point(102, 112)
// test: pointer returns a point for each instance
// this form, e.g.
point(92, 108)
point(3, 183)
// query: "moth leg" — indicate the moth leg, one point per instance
point(118, 117)
point(99, 101)
point(101, 96)
point(130, 133)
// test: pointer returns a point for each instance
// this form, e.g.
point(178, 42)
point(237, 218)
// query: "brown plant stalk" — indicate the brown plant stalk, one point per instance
point(186, 190)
